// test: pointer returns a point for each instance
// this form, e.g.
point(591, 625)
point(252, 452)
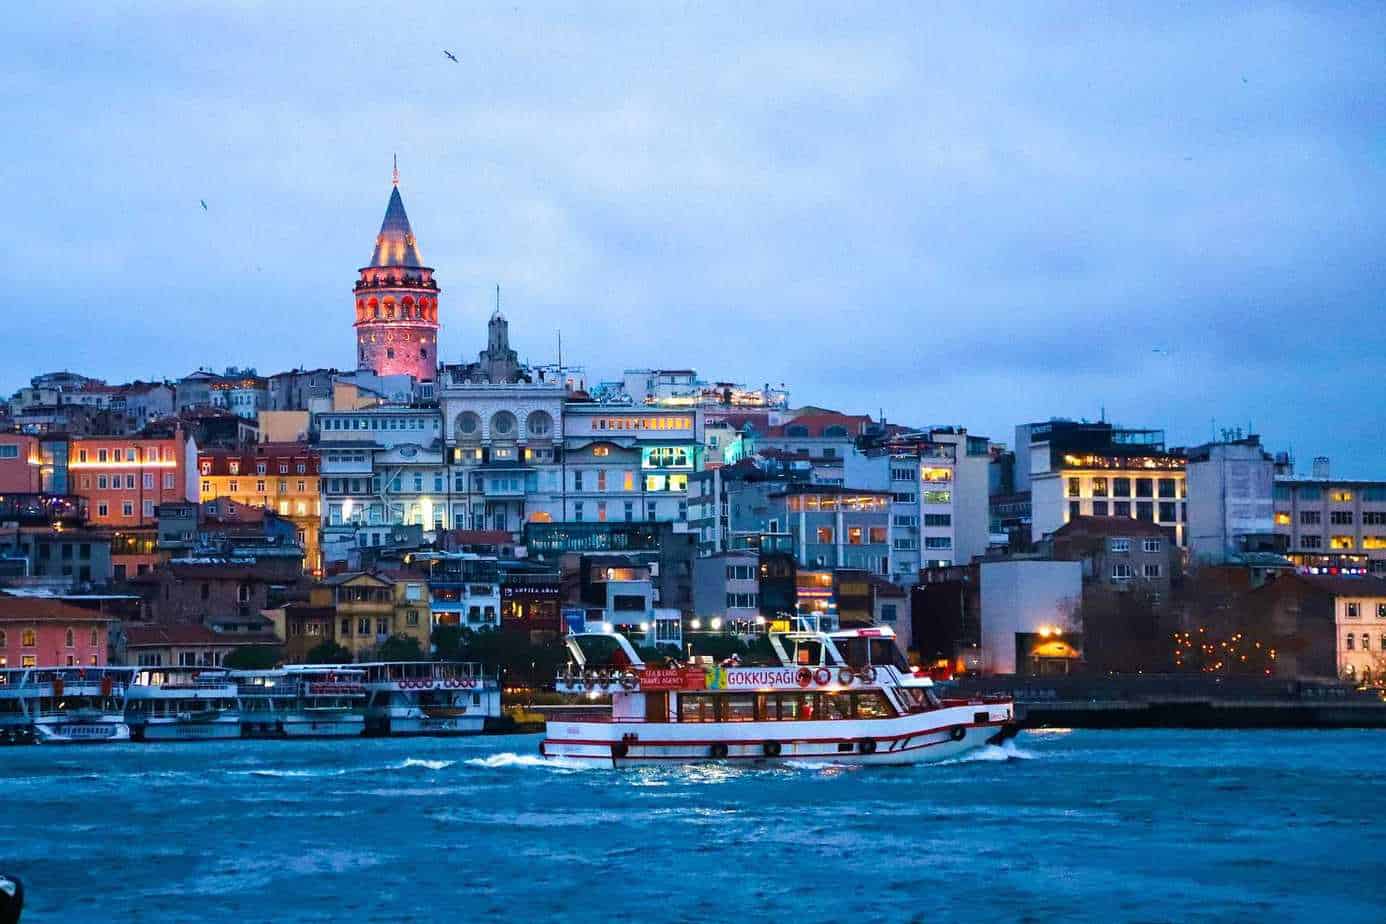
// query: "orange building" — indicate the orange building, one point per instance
point(20, 471)
point(125, 478)
point(282, 477)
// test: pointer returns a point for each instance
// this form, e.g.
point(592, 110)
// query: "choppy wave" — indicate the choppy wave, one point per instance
point(424, 764)
point(509, 759)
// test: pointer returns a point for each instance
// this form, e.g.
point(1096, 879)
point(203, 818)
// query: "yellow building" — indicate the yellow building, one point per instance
point(371, 607)
point(282, 477)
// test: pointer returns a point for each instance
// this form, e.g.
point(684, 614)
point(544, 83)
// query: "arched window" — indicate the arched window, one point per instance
point(468, 426)
point(69, 638)
point(796, 430)
point(539, 424)
point(503, 424)
point(94, 637)
point(4, 639)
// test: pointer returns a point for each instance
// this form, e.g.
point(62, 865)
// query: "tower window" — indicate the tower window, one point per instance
point(389, 354)
point(423, 353)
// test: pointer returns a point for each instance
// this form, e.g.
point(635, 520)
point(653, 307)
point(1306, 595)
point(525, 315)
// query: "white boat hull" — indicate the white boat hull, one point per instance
point(80, 732)
point(937, 735)
point(188, 731)
point(297, 726)
point(423, 725)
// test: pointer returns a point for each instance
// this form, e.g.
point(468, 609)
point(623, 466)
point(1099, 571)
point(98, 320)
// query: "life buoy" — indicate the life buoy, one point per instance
point(805, 676)
point(619, 749)
point(771, 748)
point(628, 681)
point(867, 674)
point(957, 733)
point(823, 676)
point(867, 746)
point(719, 750)
point(844, 676)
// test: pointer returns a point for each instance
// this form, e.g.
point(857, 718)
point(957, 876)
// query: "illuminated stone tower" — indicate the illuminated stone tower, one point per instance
point(397, 302)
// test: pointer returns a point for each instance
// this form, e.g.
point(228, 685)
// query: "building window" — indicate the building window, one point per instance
point(1381, 611)
point(1340, 518)
point(1119, 545)
point(938, 542)
point(1099, 508)
point(346, 627)
point(1099, 487)
point(1075, 509)
point(1354, 610)
point(411, 618)
point(1168, 511)
point(577, 512)
point(1121, 571)
point(1121, 487)
point(128, 508)
point(69, 639)
point(1150, 545)
point(1350, 639)
point(1310, 518)
point(1075, 487)
point(28, 639)
point(1342, 542)
point(1121, 509)
point(1311, 542)
point(1145, 510)
point(824, 535)
point(1151, 571)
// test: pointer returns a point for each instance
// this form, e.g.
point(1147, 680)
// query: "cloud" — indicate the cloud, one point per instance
point(957, 214)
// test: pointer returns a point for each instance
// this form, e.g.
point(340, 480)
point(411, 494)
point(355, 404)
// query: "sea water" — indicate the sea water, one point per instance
point(1059, 825)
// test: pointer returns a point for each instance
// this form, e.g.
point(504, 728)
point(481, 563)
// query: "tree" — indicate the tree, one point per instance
point(328, 652)
point(400, 648)
point(252, 658)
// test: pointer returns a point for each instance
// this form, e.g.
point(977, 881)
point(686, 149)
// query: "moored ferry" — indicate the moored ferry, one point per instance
point(63, 705)
point(427, 697)
point(182, 704)
point(845, 697)
point(301, 702)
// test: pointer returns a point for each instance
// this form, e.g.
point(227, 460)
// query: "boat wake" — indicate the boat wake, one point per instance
point(993, 752)
point(506, 760)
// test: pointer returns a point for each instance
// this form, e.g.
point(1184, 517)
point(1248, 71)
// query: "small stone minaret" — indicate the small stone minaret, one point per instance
point(397, 302)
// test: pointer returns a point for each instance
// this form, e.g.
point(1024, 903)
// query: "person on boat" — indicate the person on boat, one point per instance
point(733, 661)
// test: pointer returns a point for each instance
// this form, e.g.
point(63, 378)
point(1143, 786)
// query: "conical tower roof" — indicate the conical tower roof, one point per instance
point(395, 246)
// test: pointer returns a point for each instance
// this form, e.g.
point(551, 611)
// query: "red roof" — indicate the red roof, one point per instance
point(1340, 585)
point(815, 424)
point(39, 609)
point(1108, 526)
point(190, 633)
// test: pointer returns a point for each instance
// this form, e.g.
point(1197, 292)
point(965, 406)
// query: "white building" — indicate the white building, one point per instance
point(505, 450)
point(628, 463)
point(938, 481)
point(383, 465)
point(1025, 597)
point(1230, 507)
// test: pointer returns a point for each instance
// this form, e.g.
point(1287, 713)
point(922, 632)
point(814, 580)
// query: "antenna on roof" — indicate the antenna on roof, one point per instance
point(396, 169)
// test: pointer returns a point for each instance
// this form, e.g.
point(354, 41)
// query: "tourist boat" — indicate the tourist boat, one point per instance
point(182, 703)
point(427, 697)
point(847, 697)
point(62, 705)
point(299, 702)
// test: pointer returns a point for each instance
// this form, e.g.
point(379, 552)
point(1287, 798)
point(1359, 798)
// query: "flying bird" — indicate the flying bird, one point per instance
point(451, 57)
point(1161, 350)
point(204, 204)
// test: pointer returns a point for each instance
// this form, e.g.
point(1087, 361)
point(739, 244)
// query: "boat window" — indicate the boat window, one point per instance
point(697, 707)
point(884, 651)
point(835, 706)
point(871, 705)
point(738, 707)
point(808, 652)
point(919, 699)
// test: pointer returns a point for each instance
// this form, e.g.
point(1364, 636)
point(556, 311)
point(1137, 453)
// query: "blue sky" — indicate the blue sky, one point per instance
point(955, 215)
